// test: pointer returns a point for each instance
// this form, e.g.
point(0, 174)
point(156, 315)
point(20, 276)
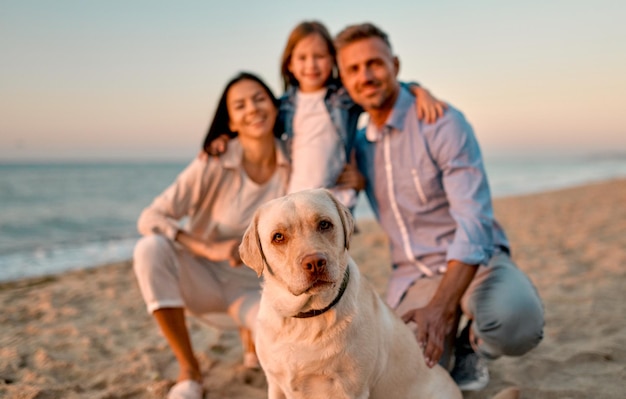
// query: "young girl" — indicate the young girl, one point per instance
point(317, 118)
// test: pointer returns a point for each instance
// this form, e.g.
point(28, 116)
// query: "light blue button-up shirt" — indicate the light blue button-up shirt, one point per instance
point(428, 188)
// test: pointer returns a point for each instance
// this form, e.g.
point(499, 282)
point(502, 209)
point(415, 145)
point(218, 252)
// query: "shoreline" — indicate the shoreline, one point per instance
point(366, 215)
point(86, 333)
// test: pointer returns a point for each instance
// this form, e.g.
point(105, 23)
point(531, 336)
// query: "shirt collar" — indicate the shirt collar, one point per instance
point(396, 119)
point(233, 156)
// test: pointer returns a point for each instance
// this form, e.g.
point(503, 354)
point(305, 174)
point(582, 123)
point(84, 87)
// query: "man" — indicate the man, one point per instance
point(428, 188)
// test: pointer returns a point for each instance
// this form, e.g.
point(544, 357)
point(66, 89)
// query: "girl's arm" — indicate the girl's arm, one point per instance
point(214, 148)
point(351, 177)
point(429, 108)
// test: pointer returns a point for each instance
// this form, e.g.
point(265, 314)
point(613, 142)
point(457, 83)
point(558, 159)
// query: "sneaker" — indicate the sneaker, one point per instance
point(470, 370)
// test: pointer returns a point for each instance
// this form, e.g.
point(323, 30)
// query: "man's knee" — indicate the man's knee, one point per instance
point(150, 252)
point(508, 311)
point(511, 331)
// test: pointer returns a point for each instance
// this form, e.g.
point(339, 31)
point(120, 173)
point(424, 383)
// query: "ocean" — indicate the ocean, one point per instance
point(56, 217)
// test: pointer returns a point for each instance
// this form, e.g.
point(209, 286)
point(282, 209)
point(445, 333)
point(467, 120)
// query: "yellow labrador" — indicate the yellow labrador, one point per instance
point(323, 332)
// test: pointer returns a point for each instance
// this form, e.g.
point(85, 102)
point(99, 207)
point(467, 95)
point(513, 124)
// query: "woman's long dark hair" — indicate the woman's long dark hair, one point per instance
point(219, 124)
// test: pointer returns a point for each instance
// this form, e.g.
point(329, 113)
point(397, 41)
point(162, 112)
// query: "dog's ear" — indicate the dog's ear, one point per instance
point(250, 249)
point(346, 219)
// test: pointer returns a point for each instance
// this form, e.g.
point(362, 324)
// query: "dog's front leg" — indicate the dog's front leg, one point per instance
point(343, 393)
point(363, 395)
point(274, 391)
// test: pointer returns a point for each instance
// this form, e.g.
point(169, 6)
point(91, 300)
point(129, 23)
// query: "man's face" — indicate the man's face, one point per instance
point(368, 71)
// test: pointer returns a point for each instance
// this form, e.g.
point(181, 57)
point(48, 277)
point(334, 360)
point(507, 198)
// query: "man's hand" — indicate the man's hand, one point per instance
point(438, 318)
point(433, 325)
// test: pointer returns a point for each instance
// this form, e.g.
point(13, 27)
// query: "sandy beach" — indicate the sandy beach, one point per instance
point(86, 334)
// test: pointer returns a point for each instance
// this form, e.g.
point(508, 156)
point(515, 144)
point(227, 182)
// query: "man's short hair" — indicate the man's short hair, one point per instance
point(358, 32)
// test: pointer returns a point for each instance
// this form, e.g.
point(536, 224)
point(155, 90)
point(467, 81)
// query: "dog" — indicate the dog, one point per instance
point(322, 330)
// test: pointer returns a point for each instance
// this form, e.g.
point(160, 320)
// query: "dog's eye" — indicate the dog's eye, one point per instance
point(278, 237)
point(325, 225)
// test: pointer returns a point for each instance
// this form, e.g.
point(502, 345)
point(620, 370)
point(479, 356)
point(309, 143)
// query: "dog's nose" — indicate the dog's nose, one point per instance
point(314, 263)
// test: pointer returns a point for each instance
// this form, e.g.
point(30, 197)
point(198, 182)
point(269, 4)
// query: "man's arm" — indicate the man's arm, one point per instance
point(437, 319)
point(456, 152)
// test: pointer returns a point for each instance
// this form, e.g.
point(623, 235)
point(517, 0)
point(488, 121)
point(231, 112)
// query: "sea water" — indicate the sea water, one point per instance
point(62, 216)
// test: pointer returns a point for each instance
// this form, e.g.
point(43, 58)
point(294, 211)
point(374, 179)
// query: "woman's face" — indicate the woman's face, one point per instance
point(251, 112)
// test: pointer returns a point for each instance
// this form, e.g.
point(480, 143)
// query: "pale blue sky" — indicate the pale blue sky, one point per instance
point(140, 79)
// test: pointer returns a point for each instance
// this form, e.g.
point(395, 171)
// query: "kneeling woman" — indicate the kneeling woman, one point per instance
point(197, 268)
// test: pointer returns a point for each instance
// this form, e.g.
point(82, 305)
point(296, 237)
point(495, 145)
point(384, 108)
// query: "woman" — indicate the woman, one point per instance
point(197, 268)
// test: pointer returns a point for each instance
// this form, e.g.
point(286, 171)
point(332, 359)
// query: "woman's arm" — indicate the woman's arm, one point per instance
point(183, 198)
point(162, 216)
point(216, 251)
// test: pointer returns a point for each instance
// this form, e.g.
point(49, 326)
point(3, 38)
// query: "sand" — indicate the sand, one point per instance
point(86, 334)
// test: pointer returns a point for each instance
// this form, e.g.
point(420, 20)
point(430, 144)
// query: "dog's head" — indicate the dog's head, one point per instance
point(299, 243)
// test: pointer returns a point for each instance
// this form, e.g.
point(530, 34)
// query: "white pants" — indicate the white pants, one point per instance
point(171, 277)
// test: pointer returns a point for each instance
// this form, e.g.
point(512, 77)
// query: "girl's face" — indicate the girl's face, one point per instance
point(311, 63)
point(251, 112)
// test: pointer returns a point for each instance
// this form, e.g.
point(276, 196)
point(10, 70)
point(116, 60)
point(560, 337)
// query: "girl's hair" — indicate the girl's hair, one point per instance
point(302, 30)
point(219, 124)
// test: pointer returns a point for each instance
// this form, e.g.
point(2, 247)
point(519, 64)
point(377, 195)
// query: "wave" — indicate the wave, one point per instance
point(64, 217)
point(57, 259)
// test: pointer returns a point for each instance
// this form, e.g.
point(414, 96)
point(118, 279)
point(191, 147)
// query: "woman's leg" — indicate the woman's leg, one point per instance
point(171, 321)
point(163, 272)
point(244, 296)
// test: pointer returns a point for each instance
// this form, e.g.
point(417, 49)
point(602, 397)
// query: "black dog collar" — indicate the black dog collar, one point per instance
point(317, 312)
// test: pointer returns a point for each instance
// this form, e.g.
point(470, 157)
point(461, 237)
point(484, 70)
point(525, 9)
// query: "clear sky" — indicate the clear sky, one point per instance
point(140, 79)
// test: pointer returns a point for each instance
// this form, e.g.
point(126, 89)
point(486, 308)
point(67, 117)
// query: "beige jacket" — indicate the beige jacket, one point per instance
point(212, 196)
